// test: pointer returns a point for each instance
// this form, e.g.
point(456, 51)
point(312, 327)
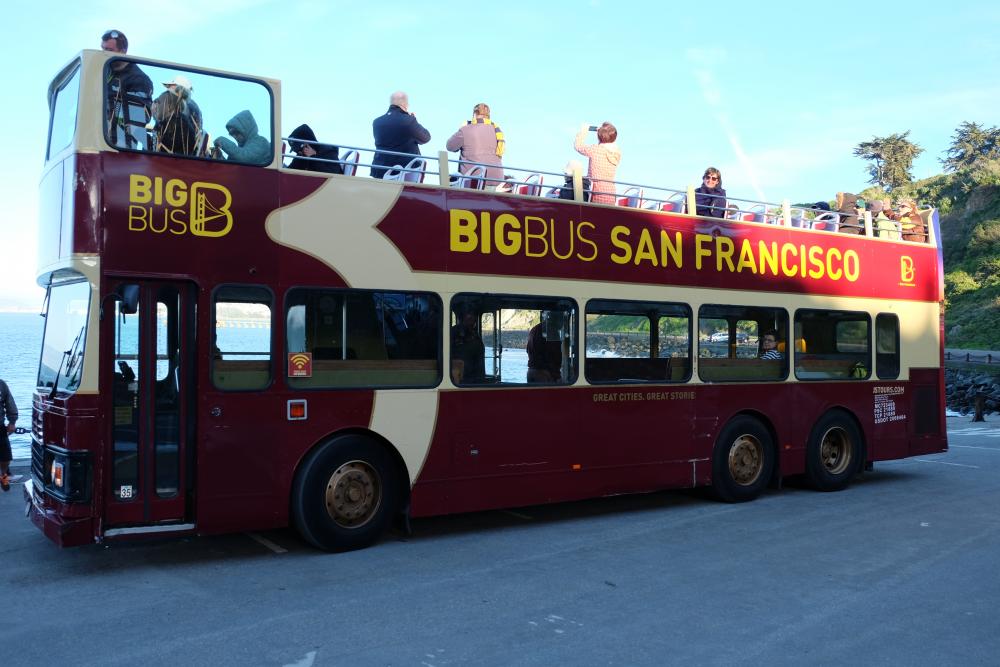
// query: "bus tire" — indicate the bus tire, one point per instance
point(742, 460)
point(833, 451)
point(345, 494)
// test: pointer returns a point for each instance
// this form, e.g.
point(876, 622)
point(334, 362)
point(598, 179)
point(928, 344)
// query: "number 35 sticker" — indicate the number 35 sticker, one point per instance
point(125, 491)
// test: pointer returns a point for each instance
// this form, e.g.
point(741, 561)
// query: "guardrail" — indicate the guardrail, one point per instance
point(968, 357)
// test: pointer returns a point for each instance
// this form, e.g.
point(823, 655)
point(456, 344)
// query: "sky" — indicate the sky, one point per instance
point(775, 95)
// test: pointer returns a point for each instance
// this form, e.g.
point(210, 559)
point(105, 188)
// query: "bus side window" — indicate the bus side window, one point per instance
point(241, 354)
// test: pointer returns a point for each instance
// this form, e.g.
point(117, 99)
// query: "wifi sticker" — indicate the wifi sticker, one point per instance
point(300, 365)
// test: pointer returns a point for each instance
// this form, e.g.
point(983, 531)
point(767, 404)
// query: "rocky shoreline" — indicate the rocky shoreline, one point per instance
point(961, 388)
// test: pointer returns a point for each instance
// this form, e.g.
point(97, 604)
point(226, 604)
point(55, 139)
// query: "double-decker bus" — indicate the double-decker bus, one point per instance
point(234, 345)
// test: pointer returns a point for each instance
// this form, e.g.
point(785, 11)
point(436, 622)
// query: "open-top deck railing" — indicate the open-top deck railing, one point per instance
point(521, 181)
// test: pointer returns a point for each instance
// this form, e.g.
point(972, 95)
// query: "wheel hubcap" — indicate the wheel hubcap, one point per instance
point(835, 451)
point(353, 494)
point(746, 460)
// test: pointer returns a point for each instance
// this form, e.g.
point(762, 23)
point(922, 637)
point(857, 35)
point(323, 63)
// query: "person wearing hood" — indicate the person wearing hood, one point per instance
point(847, 207)
point(396, 130)
point(313, 156)
point(604, 159)
point(250, 147)
point(710, 198)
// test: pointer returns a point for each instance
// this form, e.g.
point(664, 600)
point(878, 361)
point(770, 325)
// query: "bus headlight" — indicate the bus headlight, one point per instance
point(56, 474)
point(68, 474)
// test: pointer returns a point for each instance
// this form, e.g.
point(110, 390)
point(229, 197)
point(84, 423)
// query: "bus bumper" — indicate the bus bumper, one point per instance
point(64, 532)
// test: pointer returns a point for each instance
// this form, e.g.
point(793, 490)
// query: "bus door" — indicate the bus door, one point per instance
point(148, 373)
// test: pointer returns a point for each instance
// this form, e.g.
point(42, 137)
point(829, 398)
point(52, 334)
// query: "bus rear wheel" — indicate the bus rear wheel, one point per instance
point(833, 451)
point(345, 494)
point(742, 460)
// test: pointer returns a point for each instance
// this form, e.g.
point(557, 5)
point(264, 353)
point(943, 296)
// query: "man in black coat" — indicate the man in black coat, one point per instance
point(325, 158)
point(396, 130)
point(129, 96)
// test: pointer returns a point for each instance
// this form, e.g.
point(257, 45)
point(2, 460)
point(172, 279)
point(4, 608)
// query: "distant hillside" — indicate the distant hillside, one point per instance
point(969, 203)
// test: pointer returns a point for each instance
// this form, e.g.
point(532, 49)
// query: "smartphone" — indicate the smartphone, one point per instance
point(594, 128)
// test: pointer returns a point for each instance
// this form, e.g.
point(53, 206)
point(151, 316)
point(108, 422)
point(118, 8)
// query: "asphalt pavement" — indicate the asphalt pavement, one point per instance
point(899, 569)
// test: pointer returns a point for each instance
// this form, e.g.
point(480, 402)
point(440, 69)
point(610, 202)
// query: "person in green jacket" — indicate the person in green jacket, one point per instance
point(250, 147)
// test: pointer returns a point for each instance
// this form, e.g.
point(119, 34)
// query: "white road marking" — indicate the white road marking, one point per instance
point(309, 658)
point(260, 539)
point(989, 449)
point(945, 463)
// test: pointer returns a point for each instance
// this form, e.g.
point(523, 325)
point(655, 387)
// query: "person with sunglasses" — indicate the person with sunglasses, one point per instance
point(128, 96)
point(710, 197)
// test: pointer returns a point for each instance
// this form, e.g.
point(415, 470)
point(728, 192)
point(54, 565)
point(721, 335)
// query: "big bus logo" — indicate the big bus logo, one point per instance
point(906, 271)
point(174, 207)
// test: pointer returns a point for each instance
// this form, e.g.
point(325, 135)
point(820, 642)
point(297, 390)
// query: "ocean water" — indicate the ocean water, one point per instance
point(21, 342)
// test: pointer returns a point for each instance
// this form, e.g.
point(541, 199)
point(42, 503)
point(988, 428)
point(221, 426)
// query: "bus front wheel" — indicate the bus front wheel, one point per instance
point(742, 460)
point(345, 494)
point(833, 451)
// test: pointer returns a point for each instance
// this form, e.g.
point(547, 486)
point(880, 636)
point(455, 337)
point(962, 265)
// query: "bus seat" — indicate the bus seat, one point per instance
point(800, 345)
point(351, 163)
point(471, 179)
point(827, 222)
point(631, 198)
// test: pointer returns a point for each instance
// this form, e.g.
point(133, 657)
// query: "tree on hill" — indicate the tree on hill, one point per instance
point(971, 145)
point(891, 159)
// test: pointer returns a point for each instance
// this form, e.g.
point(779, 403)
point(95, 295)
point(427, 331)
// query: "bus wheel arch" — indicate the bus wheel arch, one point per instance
point(836, 450)
point(346, 490)
point(743, 458)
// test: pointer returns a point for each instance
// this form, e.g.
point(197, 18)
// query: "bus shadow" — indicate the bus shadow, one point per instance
point(625, 506)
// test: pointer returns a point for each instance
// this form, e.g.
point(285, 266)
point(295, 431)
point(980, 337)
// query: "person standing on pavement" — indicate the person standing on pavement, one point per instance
point(8, 415)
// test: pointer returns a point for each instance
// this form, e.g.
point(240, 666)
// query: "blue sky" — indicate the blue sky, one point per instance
point(775, 95)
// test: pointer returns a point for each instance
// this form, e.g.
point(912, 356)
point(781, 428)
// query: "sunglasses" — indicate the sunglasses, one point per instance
point(711, 178)
point(111, 34)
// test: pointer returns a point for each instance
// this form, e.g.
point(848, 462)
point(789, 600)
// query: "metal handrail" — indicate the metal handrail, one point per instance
point(773, 213)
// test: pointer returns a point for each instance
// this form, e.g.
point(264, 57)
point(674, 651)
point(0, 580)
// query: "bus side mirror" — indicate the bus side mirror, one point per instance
point(129, 295)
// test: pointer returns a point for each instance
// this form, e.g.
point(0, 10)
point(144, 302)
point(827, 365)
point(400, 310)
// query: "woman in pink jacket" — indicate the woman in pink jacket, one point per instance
point(604, 159)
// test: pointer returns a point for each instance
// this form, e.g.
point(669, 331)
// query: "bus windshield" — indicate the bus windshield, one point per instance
point(61, 364)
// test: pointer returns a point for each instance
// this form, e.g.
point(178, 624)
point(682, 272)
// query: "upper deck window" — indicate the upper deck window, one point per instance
point(63, 107)
point(186, 113)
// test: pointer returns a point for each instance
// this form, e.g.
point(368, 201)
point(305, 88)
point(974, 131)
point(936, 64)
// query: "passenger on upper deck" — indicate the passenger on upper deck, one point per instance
point(128, 96)
point(604, 159)
point(175, 131)
point(847, 206)
point(327, 156)
point(710, 198)
point(181, 86)
point(396, 130)
point(250, 147)
point(883, 226)
point(566, 191)
point(480, 140)
point(910, 221)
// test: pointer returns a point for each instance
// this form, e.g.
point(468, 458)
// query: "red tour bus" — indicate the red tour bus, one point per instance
point(231, 344)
